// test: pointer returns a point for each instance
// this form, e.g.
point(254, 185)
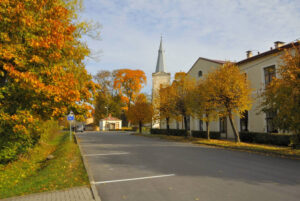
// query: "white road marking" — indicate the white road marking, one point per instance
point(107, 154)
point(134, 179)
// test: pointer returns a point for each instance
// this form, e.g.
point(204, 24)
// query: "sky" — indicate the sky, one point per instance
point(215, 29)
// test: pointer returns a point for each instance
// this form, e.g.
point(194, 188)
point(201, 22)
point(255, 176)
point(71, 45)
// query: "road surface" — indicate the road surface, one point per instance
point(135, 168)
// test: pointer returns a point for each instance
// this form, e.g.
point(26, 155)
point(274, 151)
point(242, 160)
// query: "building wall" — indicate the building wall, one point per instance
point(103, 124)
point(206, 67)
point(158, 79)
point(255, 74)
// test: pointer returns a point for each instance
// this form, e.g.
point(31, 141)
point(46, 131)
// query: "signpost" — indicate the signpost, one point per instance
point(71, 118)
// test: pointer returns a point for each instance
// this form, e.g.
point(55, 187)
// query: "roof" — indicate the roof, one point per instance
point(110, 118)
point(272, 51)
point(213, 60)
point(206, 59)
point(160, 66)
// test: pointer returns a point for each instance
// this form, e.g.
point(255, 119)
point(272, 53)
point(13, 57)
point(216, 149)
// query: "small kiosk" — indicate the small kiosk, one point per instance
point(110, 123)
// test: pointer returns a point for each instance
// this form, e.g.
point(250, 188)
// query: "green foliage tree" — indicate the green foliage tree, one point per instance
point(107, 100)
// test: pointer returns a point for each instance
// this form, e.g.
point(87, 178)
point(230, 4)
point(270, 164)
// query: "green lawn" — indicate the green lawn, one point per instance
point(250, 147)
point(33, 173)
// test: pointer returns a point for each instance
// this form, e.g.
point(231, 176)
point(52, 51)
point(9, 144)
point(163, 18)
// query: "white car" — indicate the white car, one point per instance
point(80, 128)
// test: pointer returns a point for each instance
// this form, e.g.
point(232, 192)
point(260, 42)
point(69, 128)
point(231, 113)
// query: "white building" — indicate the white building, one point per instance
point(260, 70)
point(110, 123)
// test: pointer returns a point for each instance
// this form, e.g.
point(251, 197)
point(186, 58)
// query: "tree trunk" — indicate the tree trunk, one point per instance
point(140, 126)
point(168, 126)
point(207, 130)
point(207, 127)
point(236, 133)
point(185, 125)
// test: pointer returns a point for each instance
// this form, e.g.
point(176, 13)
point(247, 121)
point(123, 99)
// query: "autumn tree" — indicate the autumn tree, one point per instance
point(140, 112)
point(283, 93)
point(107, 100)
point(182, 86)
point(202, 103)
point(42, 75)
point(232, 92)
point(129, 84)
point(166, 107)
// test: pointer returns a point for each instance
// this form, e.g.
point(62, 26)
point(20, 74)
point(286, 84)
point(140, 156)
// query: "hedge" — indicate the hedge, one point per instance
point(203, 134)
point(266, 138)
point(182, 132)
point(174, 132)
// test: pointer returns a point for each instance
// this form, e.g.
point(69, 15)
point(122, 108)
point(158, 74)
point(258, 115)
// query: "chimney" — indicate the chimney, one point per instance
point(249, 54)
point(278, 44)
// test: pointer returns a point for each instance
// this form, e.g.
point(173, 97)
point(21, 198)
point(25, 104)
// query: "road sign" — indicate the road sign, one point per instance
point(71, 117)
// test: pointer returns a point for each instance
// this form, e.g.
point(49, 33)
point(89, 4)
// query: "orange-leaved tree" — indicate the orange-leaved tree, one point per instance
point(42, 75)
point(182, 86)
point(166, 106)
point(129, 84)
point(140, 112)
point(283, 93)
point(231, 91)
point(202, 103)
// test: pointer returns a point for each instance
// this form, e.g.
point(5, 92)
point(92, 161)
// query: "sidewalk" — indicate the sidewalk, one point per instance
point(71, 194)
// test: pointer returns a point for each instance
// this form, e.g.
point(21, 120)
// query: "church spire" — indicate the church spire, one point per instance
point(160, 66)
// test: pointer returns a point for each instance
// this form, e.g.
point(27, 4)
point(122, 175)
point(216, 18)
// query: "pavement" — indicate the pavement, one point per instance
point(71, 194)
point(135, 168)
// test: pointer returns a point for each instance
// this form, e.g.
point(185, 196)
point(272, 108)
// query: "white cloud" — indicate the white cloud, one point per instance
point(219, 29)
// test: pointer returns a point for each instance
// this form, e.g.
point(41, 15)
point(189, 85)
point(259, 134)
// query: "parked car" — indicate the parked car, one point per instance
point(80, 128)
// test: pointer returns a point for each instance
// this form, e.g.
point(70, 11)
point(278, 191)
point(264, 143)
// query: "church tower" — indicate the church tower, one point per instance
point(159, 78)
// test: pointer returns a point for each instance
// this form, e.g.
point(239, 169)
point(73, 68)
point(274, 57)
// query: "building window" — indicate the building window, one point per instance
point(244, 121)
point(223, 124)
point(270, 73)
point(200, 125)
point(270, 115)
point(177, 125)
point(200, 73)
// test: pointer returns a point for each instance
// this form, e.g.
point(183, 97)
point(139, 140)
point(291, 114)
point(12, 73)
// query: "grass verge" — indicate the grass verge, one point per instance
point(33, 173)
point(256, 148)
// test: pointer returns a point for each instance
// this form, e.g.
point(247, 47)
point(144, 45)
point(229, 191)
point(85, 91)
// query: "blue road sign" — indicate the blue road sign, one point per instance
point(71, 117)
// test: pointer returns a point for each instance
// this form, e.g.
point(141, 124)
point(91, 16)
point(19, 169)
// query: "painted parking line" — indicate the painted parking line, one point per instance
point(107, 154)
point(134, 179)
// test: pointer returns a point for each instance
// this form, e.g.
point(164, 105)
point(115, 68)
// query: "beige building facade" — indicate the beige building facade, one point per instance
point(260, 69)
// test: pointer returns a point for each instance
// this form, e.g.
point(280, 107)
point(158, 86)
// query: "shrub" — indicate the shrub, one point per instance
point(266, 138)
point(203, 134)
point(17, 137)
point(173, 132)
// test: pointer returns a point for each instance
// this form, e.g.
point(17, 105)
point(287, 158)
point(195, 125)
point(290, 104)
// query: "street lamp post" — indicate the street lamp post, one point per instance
point(106, 110)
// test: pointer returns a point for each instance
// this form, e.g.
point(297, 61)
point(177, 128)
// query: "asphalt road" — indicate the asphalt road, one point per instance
point(135, 168)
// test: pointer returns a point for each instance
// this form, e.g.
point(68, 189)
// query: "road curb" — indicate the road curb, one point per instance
point(89, 172)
